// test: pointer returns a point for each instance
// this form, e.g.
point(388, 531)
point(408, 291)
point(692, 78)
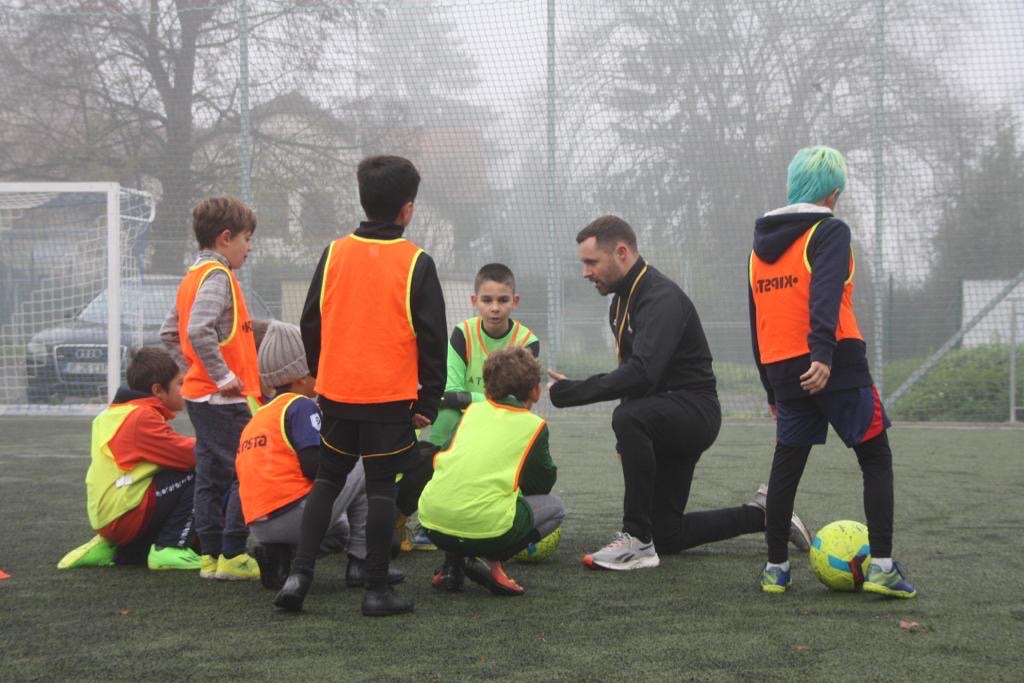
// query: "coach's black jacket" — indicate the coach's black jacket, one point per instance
point(662, 348)
point(428, 319)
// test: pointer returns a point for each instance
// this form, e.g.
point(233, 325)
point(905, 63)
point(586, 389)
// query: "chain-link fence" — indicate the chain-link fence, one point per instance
point(528, 118)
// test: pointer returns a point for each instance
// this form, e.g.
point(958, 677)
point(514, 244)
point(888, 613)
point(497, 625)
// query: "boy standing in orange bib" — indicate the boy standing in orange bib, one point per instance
point(210, 334)
point(374, 331)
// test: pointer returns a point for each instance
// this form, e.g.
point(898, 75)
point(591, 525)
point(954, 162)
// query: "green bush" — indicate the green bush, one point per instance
point(967, 385)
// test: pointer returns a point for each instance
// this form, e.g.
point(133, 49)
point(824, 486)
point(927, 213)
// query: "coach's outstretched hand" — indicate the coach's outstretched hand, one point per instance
point(555, 377)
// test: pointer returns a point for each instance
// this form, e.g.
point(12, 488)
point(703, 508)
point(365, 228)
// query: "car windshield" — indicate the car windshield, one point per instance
point(151, 301)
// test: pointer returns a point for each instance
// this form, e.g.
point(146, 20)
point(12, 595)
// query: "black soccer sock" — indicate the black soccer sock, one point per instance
point(787, 468)
point(380, 524)
point(875, 458)
point(315, 520)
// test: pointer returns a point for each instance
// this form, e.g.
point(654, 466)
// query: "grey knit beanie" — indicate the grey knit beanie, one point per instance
point(282, 358)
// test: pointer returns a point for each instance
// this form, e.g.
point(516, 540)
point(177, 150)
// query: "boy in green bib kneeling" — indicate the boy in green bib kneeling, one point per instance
point(490, 495)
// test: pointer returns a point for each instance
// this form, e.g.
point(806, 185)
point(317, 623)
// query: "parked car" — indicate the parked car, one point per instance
point(69, 360)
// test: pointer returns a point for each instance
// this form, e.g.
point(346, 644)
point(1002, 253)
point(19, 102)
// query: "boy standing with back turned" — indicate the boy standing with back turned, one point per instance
point(813, 361)
point(374, 330)
point(210, 334)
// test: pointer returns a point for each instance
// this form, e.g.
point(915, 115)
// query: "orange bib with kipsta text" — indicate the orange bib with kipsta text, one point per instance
point(269, 473)
point(782, 302)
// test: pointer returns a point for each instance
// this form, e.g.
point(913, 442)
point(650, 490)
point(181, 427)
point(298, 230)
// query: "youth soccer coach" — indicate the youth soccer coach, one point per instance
point(669, 412)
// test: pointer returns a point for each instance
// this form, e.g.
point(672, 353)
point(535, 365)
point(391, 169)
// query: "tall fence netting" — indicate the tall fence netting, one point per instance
point(529, 118)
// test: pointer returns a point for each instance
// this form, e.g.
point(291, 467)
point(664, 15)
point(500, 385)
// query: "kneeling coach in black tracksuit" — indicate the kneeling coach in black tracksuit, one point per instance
point(669, 412)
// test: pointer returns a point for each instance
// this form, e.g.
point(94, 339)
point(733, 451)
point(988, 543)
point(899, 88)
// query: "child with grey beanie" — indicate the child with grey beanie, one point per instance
point(277, 461)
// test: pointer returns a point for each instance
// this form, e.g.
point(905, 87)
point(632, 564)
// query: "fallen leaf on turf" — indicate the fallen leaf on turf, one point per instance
point(122, 612)
point(909, 625)
point(801, 648)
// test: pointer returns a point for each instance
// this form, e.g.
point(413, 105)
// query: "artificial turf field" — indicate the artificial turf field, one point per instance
point(699, 616)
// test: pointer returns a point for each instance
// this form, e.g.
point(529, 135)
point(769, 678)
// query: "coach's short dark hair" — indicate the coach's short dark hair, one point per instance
point(608, 230)
point(494, 272)
point(386, 184)
point(214, 215)
point(512, 371)
point(151, 365)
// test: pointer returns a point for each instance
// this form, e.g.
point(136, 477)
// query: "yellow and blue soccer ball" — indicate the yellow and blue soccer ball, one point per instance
point(841, 554)
point(541, 550)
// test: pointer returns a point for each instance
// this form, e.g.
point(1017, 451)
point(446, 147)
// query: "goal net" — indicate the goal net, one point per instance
point(67, 252)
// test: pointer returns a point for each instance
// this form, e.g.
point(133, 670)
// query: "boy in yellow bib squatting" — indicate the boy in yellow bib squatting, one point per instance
point(490, 494)
point(494, 298)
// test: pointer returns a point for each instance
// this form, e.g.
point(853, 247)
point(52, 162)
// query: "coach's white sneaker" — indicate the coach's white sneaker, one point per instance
point(623, 553)
point(799, 535)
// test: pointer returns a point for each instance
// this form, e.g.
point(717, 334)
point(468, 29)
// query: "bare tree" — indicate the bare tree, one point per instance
point(134, 90)
point(696, 108)
point(147, 92)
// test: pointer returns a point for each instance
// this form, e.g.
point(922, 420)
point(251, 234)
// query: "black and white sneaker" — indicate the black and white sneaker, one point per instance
point(799, 535)
point(623, 553)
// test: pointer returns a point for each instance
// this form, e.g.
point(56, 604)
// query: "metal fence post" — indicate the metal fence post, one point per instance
point(554, 277)
point(878, 262)
point(244, 132)
point(1013, 358)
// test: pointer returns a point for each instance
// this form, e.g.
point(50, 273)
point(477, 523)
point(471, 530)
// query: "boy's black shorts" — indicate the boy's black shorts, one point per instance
point(390, 442)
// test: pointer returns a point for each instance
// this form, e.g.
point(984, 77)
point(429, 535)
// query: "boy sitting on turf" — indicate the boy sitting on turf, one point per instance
point(490, 493)
point(277, 462)
point(494, 297)
point(139, 483)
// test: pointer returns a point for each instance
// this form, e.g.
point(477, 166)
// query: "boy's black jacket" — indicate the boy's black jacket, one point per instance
point(428, 317)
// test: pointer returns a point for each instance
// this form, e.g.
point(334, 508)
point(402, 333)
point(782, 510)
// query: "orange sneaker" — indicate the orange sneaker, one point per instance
point(492, 576)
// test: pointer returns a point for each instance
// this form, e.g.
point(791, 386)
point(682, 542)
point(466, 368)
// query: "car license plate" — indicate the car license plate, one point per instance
point(86, 369)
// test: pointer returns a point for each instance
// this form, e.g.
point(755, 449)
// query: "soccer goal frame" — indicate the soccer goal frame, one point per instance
point(12, 206)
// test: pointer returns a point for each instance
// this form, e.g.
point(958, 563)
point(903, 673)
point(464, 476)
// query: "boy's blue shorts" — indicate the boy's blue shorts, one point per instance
point(857, 416)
